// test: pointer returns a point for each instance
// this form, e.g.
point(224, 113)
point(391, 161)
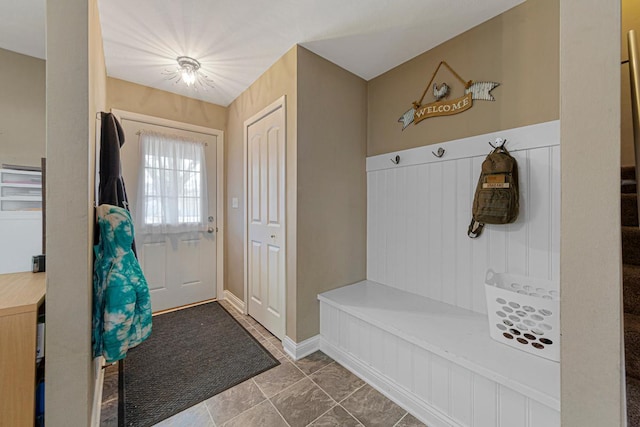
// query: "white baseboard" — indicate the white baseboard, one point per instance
point(299, 350)
point(96, 408)
point(235, 302)
point(420, 409)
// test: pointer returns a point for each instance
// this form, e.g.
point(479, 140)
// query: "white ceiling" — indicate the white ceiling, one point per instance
point(22, 26)
point(237, 40)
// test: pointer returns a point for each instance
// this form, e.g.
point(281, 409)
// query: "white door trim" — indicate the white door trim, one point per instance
point(279, 103)
point(142, 118)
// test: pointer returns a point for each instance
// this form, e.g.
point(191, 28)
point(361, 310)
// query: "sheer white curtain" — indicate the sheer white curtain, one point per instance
point(172, 188)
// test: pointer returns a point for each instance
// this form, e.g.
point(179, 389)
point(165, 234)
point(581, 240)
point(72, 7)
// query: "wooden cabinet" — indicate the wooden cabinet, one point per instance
point(20, 296)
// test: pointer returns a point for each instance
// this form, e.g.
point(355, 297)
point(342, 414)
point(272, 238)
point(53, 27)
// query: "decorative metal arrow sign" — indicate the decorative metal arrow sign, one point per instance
point(443, 107)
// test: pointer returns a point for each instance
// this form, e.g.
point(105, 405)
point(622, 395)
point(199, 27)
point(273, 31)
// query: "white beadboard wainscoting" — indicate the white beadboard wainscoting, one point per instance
point(418, 212)
point(417, 329)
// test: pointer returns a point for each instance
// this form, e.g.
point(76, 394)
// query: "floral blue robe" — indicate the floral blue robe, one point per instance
point(122, 305)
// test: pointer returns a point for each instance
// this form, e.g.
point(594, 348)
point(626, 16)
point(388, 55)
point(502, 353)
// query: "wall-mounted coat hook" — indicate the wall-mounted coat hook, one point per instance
point(499, 143)
point(440, 152)
point(395, 160)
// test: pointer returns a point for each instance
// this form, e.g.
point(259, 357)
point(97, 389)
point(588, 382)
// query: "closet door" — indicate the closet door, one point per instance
point(265, 219)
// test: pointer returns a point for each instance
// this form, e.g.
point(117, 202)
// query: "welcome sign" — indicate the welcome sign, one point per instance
point(443, 107)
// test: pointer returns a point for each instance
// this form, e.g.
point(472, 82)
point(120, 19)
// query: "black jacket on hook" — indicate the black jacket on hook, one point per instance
point(111, 190)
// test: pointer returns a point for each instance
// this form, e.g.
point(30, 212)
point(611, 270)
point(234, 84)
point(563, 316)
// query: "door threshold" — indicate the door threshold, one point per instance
point(182, 307)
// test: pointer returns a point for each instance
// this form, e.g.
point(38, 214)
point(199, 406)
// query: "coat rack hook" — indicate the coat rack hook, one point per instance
point(395, 160)
point(440, 152)
point(499, 143)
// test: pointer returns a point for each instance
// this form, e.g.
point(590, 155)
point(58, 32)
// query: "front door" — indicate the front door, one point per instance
point(180, 268)
point(265, 219)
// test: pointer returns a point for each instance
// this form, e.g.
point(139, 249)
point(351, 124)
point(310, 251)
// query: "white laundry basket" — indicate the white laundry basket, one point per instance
point(524, 313)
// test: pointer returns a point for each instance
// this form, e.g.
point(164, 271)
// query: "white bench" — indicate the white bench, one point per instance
point(437, 360)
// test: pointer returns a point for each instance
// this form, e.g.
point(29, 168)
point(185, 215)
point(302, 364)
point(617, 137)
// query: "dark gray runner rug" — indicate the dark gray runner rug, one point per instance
point(192, 354)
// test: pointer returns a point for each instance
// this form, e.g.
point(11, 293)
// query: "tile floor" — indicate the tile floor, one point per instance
point(314, 391)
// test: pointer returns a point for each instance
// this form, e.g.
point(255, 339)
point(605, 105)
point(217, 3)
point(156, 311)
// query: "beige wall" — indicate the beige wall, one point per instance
point(22, 109)
point(278, 80)
point(75, 91)
point(132, 97)
point(518, 49)
point(630, 21)
point(326, 212)
point(332, 186)
point(590, 262)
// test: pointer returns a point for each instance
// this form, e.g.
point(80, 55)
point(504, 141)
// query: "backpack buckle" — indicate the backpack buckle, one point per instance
point(475, 229)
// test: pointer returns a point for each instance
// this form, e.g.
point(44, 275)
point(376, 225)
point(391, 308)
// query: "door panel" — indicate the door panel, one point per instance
point(266, 207)
point(255, 173)
point(255, 271)
point(273, 187)
point(189, 261)
point(180, 268)
point(148, 253)
point(273, 262)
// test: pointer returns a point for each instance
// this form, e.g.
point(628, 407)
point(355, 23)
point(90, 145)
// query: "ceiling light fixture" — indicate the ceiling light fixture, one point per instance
point(188, 71)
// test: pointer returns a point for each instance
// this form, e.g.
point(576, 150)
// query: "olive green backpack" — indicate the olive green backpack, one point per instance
point(496, 198)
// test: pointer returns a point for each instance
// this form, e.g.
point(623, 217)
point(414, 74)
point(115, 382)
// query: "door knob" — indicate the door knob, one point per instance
point(210, 230)
point(273, 236)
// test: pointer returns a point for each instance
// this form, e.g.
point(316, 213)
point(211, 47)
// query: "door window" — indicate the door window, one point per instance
point(172, 191)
